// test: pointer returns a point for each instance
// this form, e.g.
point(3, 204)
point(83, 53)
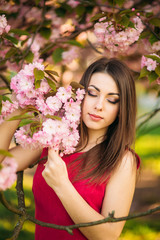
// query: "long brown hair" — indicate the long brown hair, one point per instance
point(99, 161)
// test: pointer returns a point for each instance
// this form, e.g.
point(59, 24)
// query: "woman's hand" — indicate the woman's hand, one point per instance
point(55, 172)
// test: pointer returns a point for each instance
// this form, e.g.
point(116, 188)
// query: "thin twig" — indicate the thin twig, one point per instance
point(8, 205)
point(152, 114)
point(36, 31)
point(39, 160)
point(93, 47)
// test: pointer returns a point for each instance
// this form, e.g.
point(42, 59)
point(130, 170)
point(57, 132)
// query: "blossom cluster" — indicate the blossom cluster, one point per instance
point(4, 27)
point(116, 38)
point(7, 108)
point(149, 63)
point(8, 173)
point(57, 113)
point(23, 85)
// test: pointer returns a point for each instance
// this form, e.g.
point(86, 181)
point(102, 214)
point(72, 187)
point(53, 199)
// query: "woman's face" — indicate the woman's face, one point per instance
point(101, 103)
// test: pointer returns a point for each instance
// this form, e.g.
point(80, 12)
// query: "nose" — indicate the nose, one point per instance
point(99, 105)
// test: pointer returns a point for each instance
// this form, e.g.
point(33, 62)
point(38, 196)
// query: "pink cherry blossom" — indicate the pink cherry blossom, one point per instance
point(149, 63)
point(54, 103)
point(4, 27)
point(73, 3)
point(117, 40)
point(8, 173)
point(63, 94)
point(70, 55)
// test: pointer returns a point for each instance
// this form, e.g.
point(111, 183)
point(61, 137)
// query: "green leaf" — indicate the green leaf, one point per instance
point(120, 2)
point(60, 12)
point(2, 62)
point(19, 32)
point(29, 57)
point(25, 122)
point(152, 38)
point(155, 58)
point(144, 34)
point(45, 32)
point(19, 117)
point(125, 21)
point(152, 76)
point(97, 16)
point(80, 9)
point(2, 88)
point(39, 74)
point(149, 14)
point(37, 84)
point(52, 72)
point(11, 39)
point(11, 52)
point(53, 117)
point(75, 43)
point(5, 153)
point(51, 84)
point(37, 2)
point(5, 98)
point(76, 85)
point(157, 70)
point(144, 72)
point(57, 55)
point(155, 22)
point(131, 24)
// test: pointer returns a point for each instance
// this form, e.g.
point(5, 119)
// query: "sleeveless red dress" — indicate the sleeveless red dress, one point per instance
point(48, 207)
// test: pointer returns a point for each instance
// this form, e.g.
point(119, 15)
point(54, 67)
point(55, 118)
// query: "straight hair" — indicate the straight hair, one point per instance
point(102, 159)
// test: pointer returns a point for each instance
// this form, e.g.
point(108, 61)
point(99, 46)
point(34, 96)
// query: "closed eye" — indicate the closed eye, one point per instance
point(113, 101)
point(90, 93)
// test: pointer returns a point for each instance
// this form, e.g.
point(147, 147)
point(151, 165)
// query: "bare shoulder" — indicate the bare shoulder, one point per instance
point(127, 165)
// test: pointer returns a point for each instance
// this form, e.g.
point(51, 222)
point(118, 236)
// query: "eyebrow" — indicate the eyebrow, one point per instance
point(99, 90)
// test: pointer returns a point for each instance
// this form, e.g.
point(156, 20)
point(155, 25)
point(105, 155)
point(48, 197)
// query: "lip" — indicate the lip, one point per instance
point(95, 117)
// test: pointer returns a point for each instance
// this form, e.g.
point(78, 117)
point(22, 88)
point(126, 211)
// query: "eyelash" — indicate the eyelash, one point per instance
point(92, 95)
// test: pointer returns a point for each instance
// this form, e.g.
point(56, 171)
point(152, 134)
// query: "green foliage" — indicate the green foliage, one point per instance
point(5, 153)
point(11, 52)
point(29, 57)
point(152, 76)
point(144, 72)
point(51, 84)
point(153, 57)
point(75, 43)
point(19, 32)
point(57, 55)
point(39, 74)
point(45, 32)
point(11, 39)
point(155, 22)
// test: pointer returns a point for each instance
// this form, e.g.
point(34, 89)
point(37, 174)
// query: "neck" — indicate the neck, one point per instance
point(95, 137)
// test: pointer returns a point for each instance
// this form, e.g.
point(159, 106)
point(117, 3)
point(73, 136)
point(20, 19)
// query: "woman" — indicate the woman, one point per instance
point(100, 176)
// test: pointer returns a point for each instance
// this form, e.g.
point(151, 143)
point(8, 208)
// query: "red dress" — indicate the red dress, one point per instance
point(48, 207)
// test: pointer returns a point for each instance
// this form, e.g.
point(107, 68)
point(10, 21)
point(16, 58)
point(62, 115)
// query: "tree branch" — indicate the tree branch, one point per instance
point(8, 205)
point(20, 192)
point(110, 218)
point(18, 227)
point(152, 114)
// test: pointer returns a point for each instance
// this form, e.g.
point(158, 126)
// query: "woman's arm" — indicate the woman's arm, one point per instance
point(118, 196)
point(24, 157)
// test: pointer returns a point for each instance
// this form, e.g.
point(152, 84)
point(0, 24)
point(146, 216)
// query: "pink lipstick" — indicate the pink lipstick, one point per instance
point(95, 117)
